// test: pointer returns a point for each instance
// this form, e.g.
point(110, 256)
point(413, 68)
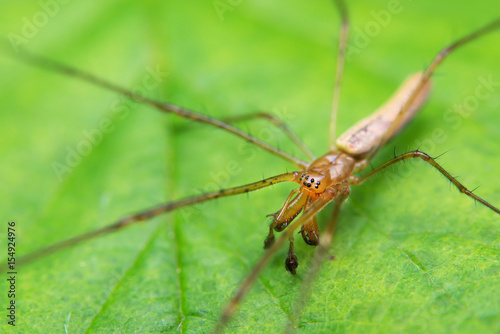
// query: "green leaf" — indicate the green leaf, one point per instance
point(410, 254)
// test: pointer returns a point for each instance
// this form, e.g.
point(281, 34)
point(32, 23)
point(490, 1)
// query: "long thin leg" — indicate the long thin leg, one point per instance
point(158, 210)
point(433, 163)
point(426, 77)
point(317, 260)
point(230, 308)
point(164, 107)
point(343, 36)
point(277, 122)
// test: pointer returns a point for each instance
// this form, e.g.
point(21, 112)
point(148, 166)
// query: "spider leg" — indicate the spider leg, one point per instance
point(156, 211)
point(417, 154)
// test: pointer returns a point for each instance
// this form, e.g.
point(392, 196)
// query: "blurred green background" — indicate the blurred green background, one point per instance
point(411, 255)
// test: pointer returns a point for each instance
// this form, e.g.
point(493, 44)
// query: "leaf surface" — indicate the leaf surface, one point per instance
point(410, 254)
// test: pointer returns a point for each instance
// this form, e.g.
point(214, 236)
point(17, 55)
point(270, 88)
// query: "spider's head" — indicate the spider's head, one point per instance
point(313, 181)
